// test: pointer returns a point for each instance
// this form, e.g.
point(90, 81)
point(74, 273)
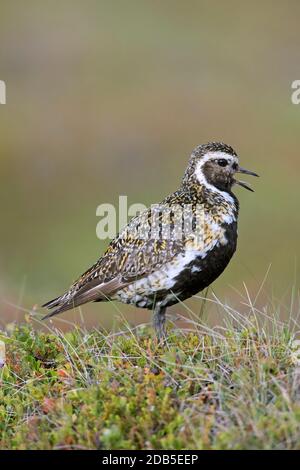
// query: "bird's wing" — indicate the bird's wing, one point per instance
point(136, 252)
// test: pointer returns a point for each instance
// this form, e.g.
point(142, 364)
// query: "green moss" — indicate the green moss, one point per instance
point(233, 389)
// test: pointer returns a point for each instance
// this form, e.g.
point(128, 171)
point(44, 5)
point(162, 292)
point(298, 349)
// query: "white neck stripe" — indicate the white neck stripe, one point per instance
point(201, 177)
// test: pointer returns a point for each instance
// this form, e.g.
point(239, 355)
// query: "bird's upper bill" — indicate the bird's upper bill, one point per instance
point(215, 165)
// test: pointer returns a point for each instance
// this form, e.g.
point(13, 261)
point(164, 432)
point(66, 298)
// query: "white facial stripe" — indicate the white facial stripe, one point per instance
point(200, 175)
point(217, 156)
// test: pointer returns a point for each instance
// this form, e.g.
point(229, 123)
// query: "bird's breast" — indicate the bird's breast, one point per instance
point(203, 256)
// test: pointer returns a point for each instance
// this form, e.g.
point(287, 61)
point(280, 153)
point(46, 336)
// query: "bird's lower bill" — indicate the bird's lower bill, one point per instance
point(243, 183)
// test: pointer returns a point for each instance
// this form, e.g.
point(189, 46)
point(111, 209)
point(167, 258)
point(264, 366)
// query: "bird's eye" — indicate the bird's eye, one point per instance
point(222, 162)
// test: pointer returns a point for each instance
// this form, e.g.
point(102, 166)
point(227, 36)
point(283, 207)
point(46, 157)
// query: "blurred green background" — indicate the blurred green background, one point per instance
point(108, 98)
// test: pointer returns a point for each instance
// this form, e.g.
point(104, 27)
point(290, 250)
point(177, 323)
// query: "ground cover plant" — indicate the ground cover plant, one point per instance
point(236, 386)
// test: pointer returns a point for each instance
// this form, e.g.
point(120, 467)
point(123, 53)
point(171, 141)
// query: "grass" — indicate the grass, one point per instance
point(232, 387)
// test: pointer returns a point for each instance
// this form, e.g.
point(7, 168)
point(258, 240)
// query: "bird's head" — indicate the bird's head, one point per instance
point(215, 165)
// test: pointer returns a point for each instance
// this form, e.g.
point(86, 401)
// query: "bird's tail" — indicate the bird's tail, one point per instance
point(59, 304)
point(91, 292)
point(52, 303)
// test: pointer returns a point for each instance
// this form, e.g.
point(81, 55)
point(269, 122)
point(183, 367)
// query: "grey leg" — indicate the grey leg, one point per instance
point(159, 320)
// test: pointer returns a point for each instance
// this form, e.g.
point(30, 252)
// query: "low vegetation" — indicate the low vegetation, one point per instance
point(235, 387)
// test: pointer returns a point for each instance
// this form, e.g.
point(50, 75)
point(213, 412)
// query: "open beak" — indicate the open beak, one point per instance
point(245, 172)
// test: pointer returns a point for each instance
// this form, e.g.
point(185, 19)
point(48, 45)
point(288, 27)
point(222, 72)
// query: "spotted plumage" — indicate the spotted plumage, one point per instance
point(155, 261)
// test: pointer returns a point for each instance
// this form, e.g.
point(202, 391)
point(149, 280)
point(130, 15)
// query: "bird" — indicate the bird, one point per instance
point(158, 259)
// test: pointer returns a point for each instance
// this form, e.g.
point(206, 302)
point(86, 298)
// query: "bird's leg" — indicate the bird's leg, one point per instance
point(159, 320)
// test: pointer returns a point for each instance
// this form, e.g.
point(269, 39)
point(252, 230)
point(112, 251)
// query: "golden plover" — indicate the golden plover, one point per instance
point(173, 250)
